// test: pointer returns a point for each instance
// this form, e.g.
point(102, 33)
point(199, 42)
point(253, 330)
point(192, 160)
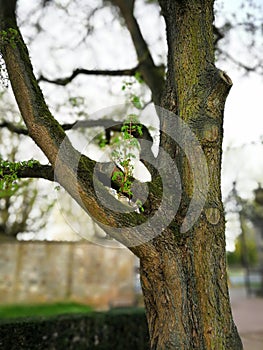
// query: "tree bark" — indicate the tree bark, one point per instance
point(185, 285)
point(186, 293)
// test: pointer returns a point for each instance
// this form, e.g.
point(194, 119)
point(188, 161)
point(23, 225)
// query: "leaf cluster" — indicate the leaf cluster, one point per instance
point(10, 36)
point(9, 175)
point(124, 152)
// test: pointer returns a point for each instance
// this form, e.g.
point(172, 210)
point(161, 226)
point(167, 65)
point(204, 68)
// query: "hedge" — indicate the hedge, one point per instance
point(117, 329)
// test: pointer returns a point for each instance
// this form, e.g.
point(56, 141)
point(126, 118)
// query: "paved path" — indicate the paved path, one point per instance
point(248, 316)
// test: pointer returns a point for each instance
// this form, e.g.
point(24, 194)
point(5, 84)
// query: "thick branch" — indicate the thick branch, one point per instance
point(76, 72)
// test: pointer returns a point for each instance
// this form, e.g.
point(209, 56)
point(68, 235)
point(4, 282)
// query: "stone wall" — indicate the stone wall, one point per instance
point(58, 271)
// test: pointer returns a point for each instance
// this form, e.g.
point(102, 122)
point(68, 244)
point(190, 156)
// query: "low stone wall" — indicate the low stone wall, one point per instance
point(57, 271)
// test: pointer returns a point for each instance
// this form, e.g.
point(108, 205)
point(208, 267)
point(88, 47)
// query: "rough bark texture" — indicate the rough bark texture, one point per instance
point(185, 286)
point(183, 274)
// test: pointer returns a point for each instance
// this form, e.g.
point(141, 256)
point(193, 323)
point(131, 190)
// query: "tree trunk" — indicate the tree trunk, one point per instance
point(186, 294)
point(185, 284)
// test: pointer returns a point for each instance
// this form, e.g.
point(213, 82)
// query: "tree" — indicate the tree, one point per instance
point(183, 264)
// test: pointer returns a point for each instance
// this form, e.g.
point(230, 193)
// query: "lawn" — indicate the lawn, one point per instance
point(17, 311)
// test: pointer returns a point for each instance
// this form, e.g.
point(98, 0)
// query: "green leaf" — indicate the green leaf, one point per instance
point(118, 175)
point(139, 129)
point(125, 128)
point(136, 102)
point(138, 77)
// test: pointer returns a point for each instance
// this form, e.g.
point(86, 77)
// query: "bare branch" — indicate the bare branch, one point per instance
point(140, 45)
point(107, 124)
point(152, 75)
point(13, 128)
point(240, 64)
point(217, 34)
point(111, 124)
point(76, 72)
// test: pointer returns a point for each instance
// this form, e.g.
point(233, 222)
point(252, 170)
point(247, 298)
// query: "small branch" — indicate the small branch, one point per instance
point(109, 124)
point(239, 63)
point(76, 72)
point(106, 123)
point(13, 128)
point(218, 35)
point(36, 171)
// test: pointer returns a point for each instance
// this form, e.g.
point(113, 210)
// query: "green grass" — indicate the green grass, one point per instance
point(18, 311)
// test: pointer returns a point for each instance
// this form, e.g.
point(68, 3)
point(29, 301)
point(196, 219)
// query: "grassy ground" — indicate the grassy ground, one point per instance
point(17, 311)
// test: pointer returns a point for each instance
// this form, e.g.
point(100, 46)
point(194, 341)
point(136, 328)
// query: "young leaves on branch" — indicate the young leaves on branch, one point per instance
point(9, 175)
point(124, 153)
